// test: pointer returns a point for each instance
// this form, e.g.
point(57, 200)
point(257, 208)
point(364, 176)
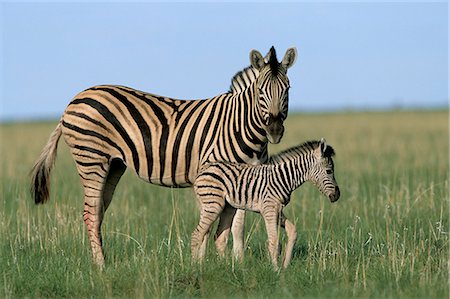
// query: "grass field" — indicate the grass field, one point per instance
point(386, 237)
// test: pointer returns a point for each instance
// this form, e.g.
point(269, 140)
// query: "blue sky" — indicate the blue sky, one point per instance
point(352, 55)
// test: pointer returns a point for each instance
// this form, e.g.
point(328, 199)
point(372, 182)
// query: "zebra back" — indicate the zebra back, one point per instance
point(165, 140)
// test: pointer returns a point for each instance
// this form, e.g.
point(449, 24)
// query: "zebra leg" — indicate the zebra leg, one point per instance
point(210, 211)
point(291, 232)
point(202, 249)
point(223, 229)
point(93, 215)
point(237, 229)
point(270, 215)
point(99, 185)
point(116, 170)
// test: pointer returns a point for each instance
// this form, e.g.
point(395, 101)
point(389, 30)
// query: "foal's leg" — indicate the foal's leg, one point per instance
point(223, 229)
point(231, 220)
point(202, 248)
point(211, 207)
point(292, 238)
point(237, 229)
point(270, 215)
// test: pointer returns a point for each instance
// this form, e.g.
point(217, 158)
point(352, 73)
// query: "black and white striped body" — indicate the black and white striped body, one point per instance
point(246, 187)
point(163, 140)
point(265, 189)
point(109, 128)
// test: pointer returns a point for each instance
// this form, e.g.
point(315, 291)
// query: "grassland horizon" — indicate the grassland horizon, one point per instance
point(387, 236)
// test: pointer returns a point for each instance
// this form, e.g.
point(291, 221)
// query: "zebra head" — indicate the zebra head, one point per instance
point(273, 88)
point(322, 171)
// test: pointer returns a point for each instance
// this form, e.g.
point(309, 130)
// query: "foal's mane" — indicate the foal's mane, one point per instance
point(303, 148)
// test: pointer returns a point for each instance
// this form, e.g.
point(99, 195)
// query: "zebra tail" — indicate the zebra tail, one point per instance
point(40, 173)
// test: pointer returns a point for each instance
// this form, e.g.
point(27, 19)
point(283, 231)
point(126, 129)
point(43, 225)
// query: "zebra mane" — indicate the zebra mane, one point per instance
point(303, 148)
point(272, 60)
point(243, 79)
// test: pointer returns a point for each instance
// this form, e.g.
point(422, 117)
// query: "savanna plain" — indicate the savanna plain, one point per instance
point(386, 237)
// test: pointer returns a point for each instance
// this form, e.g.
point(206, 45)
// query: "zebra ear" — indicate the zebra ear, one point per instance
point(289, 58)
point(323, 146)
point(256, 60)
point(267, 58)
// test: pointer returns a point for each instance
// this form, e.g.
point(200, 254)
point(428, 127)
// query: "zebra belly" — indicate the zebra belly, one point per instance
point(243, 204)
point(168, 181)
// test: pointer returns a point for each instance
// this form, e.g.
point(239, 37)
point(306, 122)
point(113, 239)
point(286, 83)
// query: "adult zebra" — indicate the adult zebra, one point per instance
point(165, 141)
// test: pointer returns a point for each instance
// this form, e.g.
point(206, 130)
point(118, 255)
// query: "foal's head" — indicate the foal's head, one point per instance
point(321, 173)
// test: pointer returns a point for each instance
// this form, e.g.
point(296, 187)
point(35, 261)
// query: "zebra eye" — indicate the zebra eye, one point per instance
point(329, 171)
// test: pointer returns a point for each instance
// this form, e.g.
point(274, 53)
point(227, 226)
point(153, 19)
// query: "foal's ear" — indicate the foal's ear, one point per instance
point(256, 59)
point(323, 146)
point(326, 150)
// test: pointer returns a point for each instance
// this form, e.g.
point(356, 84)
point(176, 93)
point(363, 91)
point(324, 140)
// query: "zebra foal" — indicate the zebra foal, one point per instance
point(265, 189)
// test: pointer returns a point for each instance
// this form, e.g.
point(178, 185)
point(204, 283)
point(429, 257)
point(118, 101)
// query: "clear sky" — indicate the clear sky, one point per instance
point(352, 55)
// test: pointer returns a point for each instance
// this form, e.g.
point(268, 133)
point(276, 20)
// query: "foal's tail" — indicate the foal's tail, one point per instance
point(40, 174)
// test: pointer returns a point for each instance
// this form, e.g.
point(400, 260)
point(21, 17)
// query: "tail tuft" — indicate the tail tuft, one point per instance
point(40, 188)
point(40, 174)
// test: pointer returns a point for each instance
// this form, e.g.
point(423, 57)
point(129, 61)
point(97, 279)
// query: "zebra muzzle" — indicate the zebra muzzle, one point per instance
point(335, 195)
point(275, 131)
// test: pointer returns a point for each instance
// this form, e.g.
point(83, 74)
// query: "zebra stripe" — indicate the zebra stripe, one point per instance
point(164, 140)
point(265, 189)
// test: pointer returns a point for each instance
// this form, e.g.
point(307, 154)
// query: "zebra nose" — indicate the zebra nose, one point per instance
point(335, 196)
point(276, 128)
point(337, 193)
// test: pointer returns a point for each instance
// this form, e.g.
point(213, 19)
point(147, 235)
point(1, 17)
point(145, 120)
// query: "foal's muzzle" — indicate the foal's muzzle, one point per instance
point(334, 196)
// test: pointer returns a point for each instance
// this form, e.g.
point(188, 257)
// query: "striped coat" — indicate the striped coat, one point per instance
point(164, 141)
point(265, 189)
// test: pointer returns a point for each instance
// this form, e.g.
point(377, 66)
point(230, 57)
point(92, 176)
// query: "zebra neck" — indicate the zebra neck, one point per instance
point(280, 179)
point(240, 138)
point(243, 79)
point(293, 172)
point(301, 166)
point(243, 86)
point(245, 113)
point(256, 109)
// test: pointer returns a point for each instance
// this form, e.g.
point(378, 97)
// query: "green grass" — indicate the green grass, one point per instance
point(386, 237)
